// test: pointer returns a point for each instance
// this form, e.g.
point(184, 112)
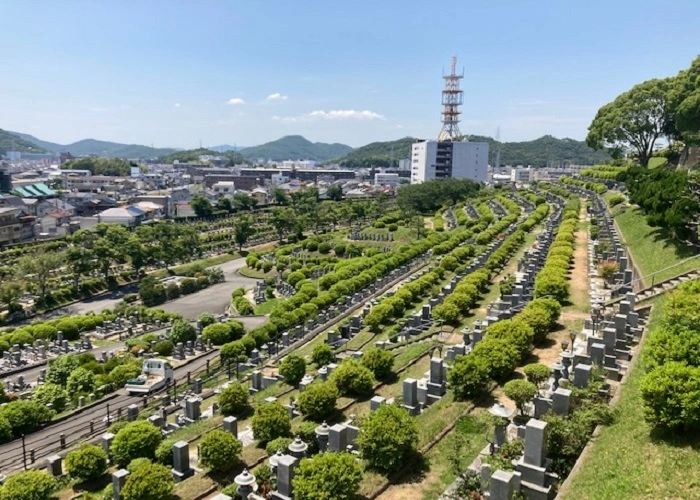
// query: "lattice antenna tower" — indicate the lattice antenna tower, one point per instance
point(452, 99)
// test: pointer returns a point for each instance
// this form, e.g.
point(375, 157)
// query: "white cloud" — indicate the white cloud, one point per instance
point(335, 115)
point(235, 101)
point(276, 97)
point(177, 104)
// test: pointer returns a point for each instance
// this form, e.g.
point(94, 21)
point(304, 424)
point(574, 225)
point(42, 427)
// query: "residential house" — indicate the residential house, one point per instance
point(14, 227)
point(126, 216)
point(260, 195)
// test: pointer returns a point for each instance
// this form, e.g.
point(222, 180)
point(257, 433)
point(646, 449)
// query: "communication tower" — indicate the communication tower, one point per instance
point(452, 99)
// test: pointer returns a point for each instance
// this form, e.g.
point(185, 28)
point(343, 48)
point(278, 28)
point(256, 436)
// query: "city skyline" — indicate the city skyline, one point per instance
point(172, 74)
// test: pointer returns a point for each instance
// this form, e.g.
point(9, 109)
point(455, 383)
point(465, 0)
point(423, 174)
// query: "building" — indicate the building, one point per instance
point(14, 226)
point(447, 159)
point(521, 175)
point(451, 156)
point(126, 216)
point(386, 179)
point(224, 188)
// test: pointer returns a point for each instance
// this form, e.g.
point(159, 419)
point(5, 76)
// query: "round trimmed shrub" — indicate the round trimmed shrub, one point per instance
point(138, 439)
point(87, 462)
point(233, 399)
point(352, 378)
point(293, 369)
point(322, 355)
point(29, 485)
point(380, 361)
point(388, 436)
point(318, 400)
point(270, 421)
point(150, 482)
point(219, 450)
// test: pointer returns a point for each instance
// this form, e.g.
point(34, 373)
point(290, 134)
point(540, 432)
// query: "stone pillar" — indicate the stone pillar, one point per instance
point(535, 442)
point(231, 425)
point(54, 465)
point(285, 473)
point(338, 438)
point(107, 439)
point(181, 461)
point(376, 402)
point(192, 408)
point(118, 481)
point(132, 412)
point(501, 485)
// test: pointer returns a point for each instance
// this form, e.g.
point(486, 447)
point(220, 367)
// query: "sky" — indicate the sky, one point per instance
point(172, 73)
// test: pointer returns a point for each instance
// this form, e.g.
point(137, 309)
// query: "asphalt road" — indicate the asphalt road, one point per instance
point(214, 299)
point(46, 442)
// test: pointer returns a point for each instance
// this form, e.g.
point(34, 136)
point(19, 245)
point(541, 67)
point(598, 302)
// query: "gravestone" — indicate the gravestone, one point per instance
point(231, 425)
point(54, 465)
point(118, 482)
point(181, 461)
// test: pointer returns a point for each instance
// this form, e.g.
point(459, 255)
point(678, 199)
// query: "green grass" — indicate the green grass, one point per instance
point(657, 162)
point(266, 307)
point(628, 460)
point(256, 273)
point(652, 249)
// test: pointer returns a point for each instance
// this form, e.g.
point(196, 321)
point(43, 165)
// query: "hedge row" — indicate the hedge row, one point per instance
point(671, 386)
point(505, 345)
point(552, 280)
point(591, 186)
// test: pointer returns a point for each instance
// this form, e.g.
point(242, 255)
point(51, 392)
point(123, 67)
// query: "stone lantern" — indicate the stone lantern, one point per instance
point(297, 448)
point(246, 484)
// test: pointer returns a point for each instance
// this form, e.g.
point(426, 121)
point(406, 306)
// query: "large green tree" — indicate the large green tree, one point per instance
point(327, 476)
point(635, 119)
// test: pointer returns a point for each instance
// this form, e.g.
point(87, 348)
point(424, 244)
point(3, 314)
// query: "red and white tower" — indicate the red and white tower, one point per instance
point(452, 99)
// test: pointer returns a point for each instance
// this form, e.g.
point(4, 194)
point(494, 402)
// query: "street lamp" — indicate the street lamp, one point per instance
point(572, 336)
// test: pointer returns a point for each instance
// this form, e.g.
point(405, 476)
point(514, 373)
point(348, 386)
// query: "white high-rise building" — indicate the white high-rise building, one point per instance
point(447, 159)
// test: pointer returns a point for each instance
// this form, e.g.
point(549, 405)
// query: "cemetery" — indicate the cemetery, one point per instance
point(430, 334)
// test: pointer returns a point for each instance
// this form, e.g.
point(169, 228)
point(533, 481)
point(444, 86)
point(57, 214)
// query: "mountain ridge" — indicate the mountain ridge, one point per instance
point(295, 147)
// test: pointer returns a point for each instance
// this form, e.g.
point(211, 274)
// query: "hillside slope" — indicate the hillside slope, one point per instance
point(295, 147)
point(11, 142)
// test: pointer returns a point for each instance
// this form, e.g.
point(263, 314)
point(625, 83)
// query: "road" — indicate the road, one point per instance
point(214, 299)
point(46, 442)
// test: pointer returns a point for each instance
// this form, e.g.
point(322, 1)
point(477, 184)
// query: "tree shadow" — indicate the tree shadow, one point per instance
point(417, 467)
point(659, 435)
point(97, 484)
point(681, 250)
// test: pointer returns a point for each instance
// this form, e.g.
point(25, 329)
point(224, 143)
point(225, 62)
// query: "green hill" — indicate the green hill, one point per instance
point(192, 156)
point(536, 153)
point(11, 142)
point(88, 147)
point(295, 147)
point(378, 154)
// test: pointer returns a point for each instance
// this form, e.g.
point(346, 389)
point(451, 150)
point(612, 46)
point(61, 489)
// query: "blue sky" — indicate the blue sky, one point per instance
point(172, 73)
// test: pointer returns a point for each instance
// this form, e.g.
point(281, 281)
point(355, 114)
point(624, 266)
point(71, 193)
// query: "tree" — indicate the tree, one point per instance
point(10, 291)
point(233, 399)
point(151, 482)
point(322, 355)
point(5, 431)
point(327, 476)
point(283, 220)
point(279, 196)
point(318, 400)
point(61, 368)
point(469, 376)
point(537, 373)
point(242, 230)
point(218, 333)
point(137, 439)
point(121, 374)
point(520, 391)
point(233, 352)
point(447, 312)
point(81, 381)
point(293, 369)
point(164, 452)
point(380, 361)
point(388, 436)
point(25, 416)
point(201, 206)
point(182, 331)
point(29, 485)
point(636, 118)
point(224, 204)
point(219, 450)
point(151, 291)
point(353, 379)
point(335, 192)
point(242, 201)
point(87, 462)
point(270, 421)
point(51, 394)
point(38, 268)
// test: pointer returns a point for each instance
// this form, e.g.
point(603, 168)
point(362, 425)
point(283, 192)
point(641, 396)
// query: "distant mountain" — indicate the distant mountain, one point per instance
point(107, 149)
point(225, 147)
point(543, 150)
point(536, 153)
point(192, 156)
point(295, 147)
point(10, 142)
point(378, 154)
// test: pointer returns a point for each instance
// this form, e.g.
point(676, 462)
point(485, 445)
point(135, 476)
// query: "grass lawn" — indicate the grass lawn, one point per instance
point(657, 162)
point(266, 307)
point(628, 460)
point(652, 250)
point(256, 273)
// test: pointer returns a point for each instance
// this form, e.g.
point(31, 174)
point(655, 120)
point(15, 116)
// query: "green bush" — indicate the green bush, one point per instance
point(25, 416)
point(469, 376)
point(87, 462)
point(279, 444)
point(233, 399)
point(380, 361)
point(324, 248)
point(81, 381)
point(616, 200)
point(537, 373)
point(318, 401)
point(138, 439)
point(151, 482)
point(206, 319)
point(270, 421)
point(29, 485)
point(219, 450)
point(164, 452)
point(388, 437)
point(352, 378)
point(218, 333)
point(293, 369)
point(164, 348)
point(52, 394)
point(334, 476)
point(182, 331)
point(322, 355)
point(520, 391)
point(671, 393)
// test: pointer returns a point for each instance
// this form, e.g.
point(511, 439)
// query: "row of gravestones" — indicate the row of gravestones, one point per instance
point(449, 216)
point(471, 211)
point(356, 235)
point(259, 292)
point(497, 209)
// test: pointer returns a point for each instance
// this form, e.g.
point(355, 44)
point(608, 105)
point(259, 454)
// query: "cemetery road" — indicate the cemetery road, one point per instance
point(47, 441)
